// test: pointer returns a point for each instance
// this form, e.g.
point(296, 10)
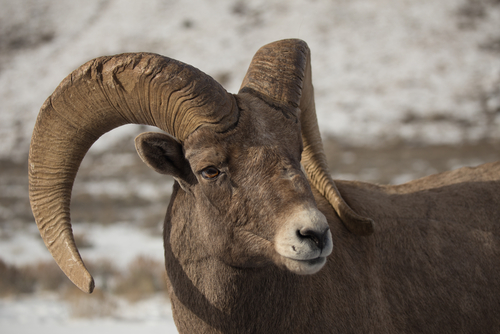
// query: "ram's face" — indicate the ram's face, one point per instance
point(254, 205)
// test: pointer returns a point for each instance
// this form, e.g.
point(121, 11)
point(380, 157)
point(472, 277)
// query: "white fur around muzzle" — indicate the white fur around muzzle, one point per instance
point(299, 254)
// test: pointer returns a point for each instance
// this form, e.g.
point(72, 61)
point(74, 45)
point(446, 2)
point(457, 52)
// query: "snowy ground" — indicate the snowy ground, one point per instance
point(403, 89)
point(47, 314)
point(121, 242)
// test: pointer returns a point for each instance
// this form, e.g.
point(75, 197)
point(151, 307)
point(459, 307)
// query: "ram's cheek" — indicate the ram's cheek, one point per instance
point(247, 250)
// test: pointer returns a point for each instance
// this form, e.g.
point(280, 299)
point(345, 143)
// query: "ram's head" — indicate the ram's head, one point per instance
point(244, 164)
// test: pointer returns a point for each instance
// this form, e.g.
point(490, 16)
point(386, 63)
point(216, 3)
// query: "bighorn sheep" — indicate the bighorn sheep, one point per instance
point(258, 237)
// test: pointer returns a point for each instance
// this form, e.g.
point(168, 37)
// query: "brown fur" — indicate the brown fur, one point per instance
point(431, 266)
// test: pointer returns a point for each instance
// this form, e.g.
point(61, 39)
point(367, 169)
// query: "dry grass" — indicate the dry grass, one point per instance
point(143, 278)
point(98, 304)
point(47, 276)
point(82, 241)
point(14, 281)
point(43, 276)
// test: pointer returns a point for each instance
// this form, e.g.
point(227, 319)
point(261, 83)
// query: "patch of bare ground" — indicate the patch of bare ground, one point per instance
point(398, 163)
point(143, 278)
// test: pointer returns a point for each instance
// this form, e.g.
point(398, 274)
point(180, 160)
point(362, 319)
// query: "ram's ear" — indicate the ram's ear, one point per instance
point(164, 154)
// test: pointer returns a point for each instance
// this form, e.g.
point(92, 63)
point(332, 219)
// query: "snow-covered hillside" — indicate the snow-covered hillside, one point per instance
point(426, 71)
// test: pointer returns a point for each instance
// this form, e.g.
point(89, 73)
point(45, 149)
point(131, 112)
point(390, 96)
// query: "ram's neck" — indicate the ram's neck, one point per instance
point(210, 297)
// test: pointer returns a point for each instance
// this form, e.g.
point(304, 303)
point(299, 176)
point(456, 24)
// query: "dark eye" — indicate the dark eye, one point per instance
point(210, 173)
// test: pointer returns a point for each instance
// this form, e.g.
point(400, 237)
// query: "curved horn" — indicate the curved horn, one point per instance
point(282, 72)
point(99, 96)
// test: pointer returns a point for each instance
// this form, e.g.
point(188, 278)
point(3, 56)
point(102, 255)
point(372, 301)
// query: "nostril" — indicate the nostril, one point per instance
point(319, 238)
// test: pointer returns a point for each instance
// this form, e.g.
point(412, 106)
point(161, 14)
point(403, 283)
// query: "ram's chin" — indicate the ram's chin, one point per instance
point(304, 267)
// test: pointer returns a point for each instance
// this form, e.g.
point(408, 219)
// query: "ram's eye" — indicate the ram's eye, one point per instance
point(210, 173)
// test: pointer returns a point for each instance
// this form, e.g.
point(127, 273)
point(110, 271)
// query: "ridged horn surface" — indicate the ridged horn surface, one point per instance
point(282, 72)
point(99, 96)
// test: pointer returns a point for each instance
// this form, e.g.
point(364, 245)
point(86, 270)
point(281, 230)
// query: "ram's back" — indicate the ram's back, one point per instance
point(434, 259)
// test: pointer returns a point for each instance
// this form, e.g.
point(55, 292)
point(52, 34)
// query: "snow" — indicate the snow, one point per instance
point(24, 248)
point(47, 314)
point(121, 242)
point(375, 63)
point(109, 326)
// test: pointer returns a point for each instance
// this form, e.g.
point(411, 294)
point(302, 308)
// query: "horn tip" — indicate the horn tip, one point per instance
point(84, 282)
point(88, 285)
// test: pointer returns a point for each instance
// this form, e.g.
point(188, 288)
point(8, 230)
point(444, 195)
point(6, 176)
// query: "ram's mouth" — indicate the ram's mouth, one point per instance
point(316, 261)
point(304, 267)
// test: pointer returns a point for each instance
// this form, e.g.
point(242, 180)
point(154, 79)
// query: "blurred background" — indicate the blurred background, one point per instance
point(403, 89)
